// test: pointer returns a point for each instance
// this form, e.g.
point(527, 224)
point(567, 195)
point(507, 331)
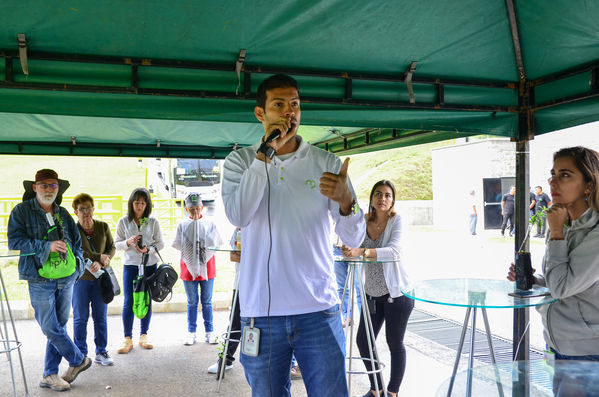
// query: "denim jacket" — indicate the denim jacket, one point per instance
point(27, 227)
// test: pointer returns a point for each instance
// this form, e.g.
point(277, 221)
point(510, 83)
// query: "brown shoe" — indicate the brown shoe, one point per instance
point(71, 373)
point(55, 383)
point(295, 372)
point(144, 342)
point(126, 346)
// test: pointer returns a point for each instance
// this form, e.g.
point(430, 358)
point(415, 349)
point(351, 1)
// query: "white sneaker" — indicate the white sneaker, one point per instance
point(210, 338)
point(104, 359)
point(214, 368)
point(190, 339)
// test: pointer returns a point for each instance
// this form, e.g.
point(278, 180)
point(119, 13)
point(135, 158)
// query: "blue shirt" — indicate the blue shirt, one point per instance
point(27, 227)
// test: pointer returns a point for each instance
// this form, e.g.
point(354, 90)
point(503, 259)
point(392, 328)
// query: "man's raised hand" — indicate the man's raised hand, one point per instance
point(334, 186)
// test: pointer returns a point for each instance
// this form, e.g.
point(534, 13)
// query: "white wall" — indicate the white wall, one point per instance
point(460, 168)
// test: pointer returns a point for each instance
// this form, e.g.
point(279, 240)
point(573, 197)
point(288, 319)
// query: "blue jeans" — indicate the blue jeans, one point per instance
point(473, 219)
point(565, 385)
point(86, 292)
point(129, 274)
point(559, 356)
point(341, 276)
point(205, 297)
point(318, 343)
point(51, 300)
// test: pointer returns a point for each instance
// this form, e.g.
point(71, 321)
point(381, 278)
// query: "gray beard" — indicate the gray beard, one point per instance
point(46, 199)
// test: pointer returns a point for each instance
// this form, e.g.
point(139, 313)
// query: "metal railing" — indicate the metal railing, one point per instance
point(108, 209)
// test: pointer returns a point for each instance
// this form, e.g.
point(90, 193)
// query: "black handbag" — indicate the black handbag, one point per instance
point(109, 285)
point(160, 283)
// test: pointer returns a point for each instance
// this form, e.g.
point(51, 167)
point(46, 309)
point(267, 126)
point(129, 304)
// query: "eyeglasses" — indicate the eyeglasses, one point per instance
point(48, 185)
point(85, 209)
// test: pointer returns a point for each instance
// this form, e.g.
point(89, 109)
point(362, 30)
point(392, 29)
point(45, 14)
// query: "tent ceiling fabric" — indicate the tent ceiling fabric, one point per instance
point(158, 78)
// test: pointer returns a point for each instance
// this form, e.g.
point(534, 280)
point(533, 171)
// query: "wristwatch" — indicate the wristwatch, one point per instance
point(267, 150)
point(353, 209)
point(366, 253)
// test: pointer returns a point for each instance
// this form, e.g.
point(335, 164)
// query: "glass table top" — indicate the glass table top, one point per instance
point(360, 259)
point(223, 248)
point(471, 292)
point(4, 253)
point(563, 378)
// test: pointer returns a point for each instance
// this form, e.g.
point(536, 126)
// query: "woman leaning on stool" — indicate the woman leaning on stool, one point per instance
point(136, 226)
point(382, 285)
point(98, 246)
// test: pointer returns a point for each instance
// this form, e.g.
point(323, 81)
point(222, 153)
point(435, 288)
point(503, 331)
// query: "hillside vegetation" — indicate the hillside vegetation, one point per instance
point(409, 168)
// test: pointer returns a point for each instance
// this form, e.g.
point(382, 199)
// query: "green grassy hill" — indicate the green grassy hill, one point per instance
point(97, 176)
point(409, 168)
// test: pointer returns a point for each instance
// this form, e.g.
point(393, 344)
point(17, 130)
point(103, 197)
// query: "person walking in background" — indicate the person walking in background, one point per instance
point(543, 201)
point(38, 226)
point(507, 210)
point(473, 216)
point(98, 247)
point(137, 234)
point(382, 286)
point(571, 262)
point(532, 206)
point(194, 235)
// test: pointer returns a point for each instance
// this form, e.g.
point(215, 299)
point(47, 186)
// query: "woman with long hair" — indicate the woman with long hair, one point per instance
point(137, 234)
point(570, 265)
point(571, 262)
point(382, 283)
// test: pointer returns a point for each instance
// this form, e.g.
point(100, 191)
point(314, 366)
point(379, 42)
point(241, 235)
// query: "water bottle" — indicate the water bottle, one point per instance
point(238, 239)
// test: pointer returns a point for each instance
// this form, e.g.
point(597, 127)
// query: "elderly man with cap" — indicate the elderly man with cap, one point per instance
point(194, 235)
point(48, 236)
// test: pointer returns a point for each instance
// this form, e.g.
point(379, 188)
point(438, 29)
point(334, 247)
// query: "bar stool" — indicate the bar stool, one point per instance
point(10, 343)
point(373, 355)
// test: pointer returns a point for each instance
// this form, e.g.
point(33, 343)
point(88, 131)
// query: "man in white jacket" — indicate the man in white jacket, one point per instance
point(281, 191)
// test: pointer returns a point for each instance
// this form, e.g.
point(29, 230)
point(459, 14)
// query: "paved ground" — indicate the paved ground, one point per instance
point(172, 369)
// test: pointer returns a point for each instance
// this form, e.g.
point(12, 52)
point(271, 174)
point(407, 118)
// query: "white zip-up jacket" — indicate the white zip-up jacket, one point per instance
point(571, 272)
point(152, 236)
point(395, 273)
point(301, 261)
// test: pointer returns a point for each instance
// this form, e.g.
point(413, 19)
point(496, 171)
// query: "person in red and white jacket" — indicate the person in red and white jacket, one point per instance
point(194, 235)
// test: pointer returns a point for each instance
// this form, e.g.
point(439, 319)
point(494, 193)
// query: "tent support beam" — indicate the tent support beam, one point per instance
point(132, 87)
point(521, 338)
point(113, 150)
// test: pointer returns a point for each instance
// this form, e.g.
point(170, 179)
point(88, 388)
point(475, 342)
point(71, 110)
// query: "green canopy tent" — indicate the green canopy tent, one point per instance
point(178, 78)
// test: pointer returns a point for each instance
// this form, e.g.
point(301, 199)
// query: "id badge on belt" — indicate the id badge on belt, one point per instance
point(250, 345)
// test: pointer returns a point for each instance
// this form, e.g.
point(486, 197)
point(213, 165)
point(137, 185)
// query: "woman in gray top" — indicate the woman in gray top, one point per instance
point(571, 262)
point(382, 284)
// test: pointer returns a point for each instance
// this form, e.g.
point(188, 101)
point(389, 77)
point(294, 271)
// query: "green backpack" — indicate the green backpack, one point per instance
point(57, 266)
point(141, 295)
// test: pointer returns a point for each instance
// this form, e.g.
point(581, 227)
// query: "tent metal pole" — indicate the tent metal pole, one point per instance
point(526, 130)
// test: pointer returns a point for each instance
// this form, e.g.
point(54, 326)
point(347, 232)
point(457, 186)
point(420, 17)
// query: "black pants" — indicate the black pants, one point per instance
point(506, 216)
point(395, 315)
point(235, 331)
point(541, 226)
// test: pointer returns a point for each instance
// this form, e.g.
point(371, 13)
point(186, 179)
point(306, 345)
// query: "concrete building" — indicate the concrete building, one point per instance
point(488, 167)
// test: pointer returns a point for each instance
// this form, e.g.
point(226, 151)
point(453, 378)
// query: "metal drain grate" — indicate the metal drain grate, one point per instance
point(447, 333)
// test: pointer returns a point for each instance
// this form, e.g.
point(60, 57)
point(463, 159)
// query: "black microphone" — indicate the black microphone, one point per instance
point(277, 133)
